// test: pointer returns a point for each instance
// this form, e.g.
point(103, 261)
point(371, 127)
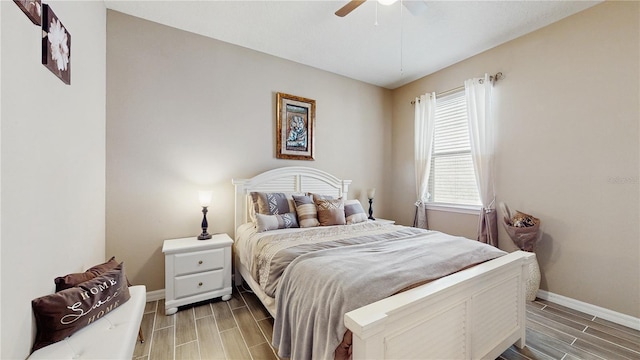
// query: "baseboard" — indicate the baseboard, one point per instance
point(597, 311)
point(155, 295)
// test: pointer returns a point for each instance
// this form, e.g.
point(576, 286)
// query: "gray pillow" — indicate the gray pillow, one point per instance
point(271, 203)
point(273, 222)
point(353, 212)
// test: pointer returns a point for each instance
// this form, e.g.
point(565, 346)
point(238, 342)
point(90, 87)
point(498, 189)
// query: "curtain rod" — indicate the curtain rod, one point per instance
point(492, 78)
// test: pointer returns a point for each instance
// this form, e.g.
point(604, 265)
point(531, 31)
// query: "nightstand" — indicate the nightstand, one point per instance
point(384, 221)
point(196, 270)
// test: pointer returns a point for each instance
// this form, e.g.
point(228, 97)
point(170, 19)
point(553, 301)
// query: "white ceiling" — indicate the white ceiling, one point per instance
point(402, 48)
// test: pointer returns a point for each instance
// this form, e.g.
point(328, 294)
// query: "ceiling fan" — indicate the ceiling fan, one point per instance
point(415, 7)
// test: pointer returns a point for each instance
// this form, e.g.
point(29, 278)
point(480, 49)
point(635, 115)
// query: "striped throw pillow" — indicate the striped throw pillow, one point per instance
point(306, 210)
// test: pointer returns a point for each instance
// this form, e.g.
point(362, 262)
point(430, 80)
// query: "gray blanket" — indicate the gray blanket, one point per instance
point(319, 287)
point(273, 253)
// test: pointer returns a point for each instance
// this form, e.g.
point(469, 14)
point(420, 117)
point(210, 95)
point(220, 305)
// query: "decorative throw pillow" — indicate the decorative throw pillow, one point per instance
point(306, 210)
point(251, 208)
point(63, 313)
point(271, 203)
point(71, 280)
point(353, 212)
point(315, 196)
point(273, 222)
point(330, 212)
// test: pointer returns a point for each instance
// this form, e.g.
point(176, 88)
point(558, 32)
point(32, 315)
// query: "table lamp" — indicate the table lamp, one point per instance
point(370, 194)
point(205, 201)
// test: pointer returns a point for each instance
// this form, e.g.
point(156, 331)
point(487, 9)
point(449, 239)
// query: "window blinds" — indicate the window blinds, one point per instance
point(452, 179)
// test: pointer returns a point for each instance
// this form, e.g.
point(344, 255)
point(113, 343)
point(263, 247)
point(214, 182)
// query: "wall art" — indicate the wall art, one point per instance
point(31, 8)
point(295, 123)
point(56, 45)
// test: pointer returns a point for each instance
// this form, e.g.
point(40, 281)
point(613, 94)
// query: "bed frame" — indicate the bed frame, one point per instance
point(476, 313)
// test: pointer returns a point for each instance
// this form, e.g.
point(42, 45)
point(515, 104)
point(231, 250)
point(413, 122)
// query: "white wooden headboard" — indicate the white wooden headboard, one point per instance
point(286, 179)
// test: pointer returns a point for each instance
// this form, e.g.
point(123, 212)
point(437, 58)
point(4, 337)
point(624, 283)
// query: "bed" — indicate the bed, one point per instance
point(477, 312)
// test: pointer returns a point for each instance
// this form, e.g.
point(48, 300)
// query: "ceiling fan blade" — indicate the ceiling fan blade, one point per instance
point(351, 5)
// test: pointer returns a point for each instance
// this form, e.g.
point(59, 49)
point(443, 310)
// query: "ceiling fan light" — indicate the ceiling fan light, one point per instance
point(387, 2)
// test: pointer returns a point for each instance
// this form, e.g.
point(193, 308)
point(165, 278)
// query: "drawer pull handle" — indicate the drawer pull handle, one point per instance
point(199, 284)
point(200, 262)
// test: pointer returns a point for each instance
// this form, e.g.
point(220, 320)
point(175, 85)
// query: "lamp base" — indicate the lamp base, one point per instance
point(204, 235)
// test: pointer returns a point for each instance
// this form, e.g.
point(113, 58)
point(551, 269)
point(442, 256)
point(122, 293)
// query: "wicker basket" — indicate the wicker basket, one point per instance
point(525, 237)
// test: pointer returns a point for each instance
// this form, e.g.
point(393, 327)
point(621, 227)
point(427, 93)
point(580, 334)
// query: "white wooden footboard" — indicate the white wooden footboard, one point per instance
point(473, 314)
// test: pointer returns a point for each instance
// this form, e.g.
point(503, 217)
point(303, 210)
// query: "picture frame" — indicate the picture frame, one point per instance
point(56, 45)
point(31, 8)
point(295, 127)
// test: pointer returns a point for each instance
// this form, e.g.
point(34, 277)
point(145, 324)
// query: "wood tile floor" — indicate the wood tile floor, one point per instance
point(241, 329)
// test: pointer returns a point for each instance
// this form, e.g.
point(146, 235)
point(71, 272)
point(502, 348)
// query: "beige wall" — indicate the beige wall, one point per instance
point(567, 116)
point(53, 162)
point(186, 112)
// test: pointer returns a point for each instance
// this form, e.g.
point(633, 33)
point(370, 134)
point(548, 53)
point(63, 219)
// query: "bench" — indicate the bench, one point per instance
point(111, 337)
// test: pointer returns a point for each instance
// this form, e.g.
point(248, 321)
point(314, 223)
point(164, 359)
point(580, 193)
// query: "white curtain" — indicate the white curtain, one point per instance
point(481, 133)
point(425, 113)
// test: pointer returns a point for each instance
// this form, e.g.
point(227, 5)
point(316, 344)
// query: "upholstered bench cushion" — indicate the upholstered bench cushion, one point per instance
point(111, 337)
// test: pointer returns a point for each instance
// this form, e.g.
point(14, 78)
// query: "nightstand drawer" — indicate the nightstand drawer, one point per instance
point(198, 283)
point(189, 263)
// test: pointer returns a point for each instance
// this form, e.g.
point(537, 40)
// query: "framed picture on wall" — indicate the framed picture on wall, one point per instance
point(295, 124)
point(31, 8)
point(56, 45)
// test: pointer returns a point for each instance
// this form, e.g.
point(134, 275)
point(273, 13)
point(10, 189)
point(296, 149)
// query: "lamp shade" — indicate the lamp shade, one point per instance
point(205, 197)
point(371, 193)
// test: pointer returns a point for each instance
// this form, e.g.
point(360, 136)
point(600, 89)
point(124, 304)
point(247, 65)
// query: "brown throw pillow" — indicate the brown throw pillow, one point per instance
point(330, 212)
point(63, 313)
point(71, 280)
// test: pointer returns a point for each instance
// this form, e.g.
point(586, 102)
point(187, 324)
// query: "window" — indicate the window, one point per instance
point(452, 179)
